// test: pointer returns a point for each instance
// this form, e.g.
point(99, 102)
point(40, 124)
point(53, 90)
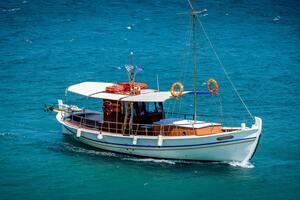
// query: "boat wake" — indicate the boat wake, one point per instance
point(76, 149)
point(247, 165)
point(8, 135)
point(11, 10)
point(4, 134)
point(153, 160)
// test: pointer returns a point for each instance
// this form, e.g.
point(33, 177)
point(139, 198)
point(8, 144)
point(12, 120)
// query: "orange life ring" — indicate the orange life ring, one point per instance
point(210, 88)
point(128, 86)
point(115, 89)
point(172, 90)
point(107, 107)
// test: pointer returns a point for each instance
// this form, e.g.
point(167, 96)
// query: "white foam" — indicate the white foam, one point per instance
point(88, 151)
point(151, 160)
point(241, 164)
point(6, 134)
point(277, 18)
point(11, 10)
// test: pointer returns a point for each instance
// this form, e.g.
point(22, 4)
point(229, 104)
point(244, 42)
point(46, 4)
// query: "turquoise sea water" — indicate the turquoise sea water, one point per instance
point(46, 46)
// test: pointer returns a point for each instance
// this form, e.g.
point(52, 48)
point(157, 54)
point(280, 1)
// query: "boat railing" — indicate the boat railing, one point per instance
point(112, 127)
point(191, 116)
point(126, 128)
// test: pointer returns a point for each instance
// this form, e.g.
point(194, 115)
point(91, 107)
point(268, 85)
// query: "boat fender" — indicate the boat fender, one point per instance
point(243, 126)
point(99, 136)
point(78, 134)
point(160, 140)
point(134, 141)
point(210, 88)
point(60, 104)
point(178, 93)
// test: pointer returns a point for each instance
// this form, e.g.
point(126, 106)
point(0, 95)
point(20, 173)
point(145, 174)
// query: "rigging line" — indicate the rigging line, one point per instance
point(221, 64)
point(174, 106)
point(221, 108)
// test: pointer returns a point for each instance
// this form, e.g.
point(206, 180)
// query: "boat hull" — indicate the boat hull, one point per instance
point(236, 146)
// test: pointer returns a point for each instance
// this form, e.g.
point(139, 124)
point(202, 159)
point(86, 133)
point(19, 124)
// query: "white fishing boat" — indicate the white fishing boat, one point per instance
point(133, 121)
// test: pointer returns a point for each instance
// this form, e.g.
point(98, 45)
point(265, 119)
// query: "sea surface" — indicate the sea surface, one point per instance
point(45, 46)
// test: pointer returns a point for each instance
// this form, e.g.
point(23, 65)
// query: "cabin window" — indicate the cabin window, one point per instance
point(155, 107)
point(139, 108)
point(151, 108)
point(159, 107)
point(142, 108)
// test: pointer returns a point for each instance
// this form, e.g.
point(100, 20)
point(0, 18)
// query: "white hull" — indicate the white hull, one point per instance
point(240, 147)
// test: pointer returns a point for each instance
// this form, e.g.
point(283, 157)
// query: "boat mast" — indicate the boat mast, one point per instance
point(195, 60)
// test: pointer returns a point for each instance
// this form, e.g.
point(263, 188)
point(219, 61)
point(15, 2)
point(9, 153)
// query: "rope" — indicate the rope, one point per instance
point(221, 108)
point(221, 64)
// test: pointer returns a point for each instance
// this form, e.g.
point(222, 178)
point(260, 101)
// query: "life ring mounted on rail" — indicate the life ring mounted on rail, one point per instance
point(178, 93)
point(107, 107)
point(214, 89)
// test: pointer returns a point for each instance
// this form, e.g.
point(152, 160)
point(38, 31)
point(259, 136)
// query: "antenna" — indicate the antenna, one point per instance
point(131, 58)
point(131, 73)
point(157, 82)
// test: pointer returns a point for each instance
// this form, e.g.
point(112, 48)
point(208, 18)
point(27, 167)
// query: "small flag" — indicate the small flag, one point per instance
point(139, 69)
point(129, 68)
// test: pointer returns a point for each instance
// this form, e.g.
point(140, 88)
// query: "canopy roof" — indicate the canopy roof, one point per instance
point(97, 90)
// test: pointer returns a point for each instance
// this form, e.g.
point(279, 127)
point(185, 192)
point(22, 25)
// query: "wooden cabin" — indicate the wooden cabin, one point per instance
point(141, 113)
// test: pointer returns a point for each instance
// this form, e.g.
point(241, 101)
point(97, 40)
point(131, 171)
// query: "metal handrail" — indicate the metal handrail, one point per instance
point(112, 127)
point(201, 115)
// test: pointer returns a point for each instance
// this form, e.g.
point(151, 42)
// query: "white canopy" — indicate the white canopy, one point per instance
point(97, 90)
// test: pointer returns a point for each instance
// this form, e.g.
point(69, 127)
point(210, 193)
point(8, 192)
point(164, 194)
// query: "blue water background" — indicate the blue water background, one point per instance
point(46, 46)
